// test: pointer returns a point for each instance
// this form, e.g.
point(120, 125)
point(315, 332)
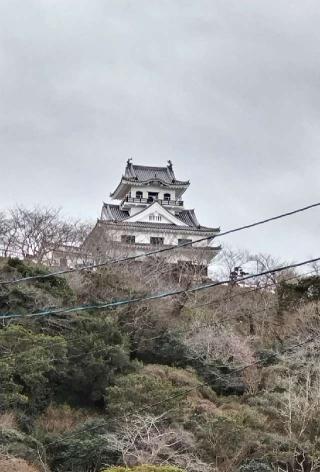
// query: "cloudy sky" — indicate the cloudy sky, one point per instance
point(229, 90)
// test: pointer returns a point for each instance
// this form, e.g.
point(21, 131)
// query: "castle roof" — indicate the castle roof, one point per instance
point(136, 175)
point(115, 214)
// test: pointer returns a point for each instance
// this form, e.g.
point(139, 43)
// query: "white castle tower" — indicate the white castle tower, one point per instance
point(149, 214)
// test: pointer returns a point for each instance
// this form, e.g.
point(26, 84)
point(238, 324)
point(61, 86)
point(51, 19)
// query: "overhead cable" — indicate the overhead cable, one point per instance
point(157, 251)
point(116, 304)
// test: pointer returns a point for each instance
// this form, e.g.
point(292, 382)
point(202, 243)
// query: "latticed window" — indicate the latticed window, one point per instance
point(157, 241)
point(167, 196)
point(128, 239)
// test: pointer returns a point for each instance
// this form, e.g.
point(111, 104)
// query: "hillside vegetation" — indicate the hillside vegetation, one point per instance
point(207, 382)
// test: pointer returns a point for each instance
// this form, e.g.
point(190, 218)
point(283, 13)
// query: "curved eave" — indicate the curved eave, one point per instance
point(161, 226)
point(124, 186)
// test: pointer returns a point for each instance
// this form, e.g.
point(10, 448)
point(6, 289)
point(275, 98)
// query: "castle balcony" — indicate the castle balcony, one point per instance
point(128, 202)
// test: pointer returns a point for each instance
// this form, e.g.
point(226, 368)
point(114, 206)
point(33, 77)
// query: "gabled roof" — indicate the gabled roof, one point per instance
point(156, 208)
point(113, 213)
point(136, 174)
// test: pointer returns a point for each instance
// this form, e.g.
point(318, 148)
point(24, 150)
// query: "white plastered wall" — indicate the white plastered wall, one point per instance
point(143, 236)
point(160, 190)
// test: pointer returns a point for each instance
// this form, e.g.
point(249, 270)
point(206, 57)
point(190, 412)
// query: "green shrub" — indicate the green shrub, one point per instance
point(151, 386)
point(89, 447)
point(58, 285)
point(33, 295)
point(25, 376)
point(99, 353)
point(20, 445)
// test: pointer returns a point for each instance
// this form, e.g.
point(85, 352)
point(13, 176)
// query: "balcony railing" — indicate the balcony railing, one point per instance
point(149, 200)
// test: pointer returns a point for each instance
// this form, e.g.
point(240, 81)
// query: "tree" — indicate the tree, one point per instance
point(227, 260)
point(25, 367)
point(150, 386)
point(91, 447)
point(8, 232)
point(97, 354)
point(3, 229)
point(145, 440)
point(35, 233)
point(212, 343)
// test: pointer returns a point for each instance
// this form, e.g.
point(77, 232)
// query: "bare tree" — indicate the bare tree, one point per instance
point(265, 262)
point(8, 234)
point(227, 260)
point(214, 342)
point(145, 440)
point(35, 233)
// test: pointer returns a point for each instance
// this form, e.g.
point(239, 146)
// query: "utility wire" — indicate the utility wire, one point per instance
point(102, 306)
point(158, 251)
point(186, 392)
point(55, 359)
point(185, 330)
point(254, 289)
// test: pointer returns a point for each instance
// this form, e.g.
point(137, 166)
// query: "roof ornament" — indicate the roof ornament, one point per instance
point(129, 161)
point(170, 165)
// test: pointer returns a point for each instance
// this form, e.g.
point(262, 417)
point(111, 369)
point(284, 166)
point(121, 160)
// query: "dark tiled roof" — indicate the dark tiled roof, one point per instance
point(167, 226)
point(146, 173)
point(188, 217)
point(115, 213)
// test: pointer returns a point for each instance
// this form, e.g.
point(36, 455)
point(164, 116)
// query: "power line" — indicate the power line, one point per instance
point(200, 325)
point(254, 289)
point(161, 250)
point(162, 295)
point(54, 359)
point(186, 392)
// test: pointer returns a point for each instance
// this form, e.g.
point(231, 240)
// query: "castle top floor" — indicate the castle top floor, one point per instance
point(144, 184)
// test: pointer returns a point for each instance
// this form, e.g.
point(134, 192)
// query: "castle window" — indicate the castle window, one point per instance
point(155, 218)
point(156, 241)
point(184, 241)
point(167, 196)
point(152, 196)
point(139, 194)
point(128, 239)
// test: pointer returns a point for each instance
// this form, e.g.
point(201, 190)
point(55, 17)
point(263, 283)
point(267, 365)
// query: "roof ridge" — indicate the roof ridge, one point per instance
point(150, 167)
point(112, 205)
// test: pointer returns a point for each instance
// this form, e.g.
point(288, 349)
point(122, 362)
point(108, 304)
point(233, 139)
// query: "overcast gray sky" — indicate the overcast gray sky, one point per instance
point(229, 90)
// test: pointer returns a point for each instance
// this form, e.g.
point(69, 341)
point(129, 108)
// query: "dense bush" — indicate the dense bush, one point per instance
point(96, 355)
point(151, 386)
point(89, 447)
point(25, 374)
point(17, 444)
point(142, 386)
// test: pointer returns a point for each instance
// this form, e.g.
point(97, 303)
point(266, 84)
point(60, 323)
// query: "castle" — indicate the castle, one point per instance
point(150, 214)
